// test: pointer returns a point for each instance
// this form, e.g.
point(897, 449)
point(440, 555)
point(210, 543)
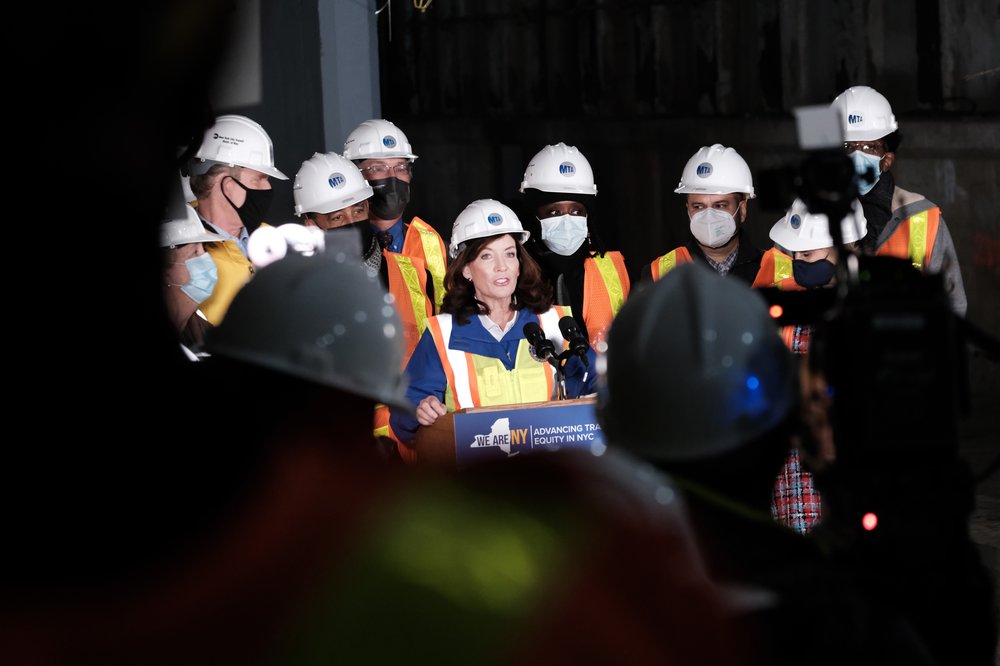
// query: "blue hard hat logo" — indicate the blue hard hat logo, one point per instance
point(704, 170)
point(855, 118)
point(336, 180)
point(389, 142)
point(494, 218)
point(795, 221)
point(567, 169)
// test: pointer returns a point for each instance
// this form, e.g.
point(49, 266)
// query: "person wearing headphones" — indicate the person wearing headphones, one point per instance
point(559, 190)
point(716, 184)
point(475, 353)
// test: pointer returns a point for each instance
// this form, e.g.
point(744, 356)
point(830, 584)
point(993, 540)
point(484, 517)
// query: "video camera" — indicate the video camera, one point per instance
point(886, 346)
point(886, 367)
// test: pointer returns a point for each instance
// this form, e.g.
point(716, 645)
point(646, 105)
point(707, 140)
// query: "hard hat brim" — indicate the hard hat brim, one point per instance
point(270, 171)
point(525, 235)
point(207, 237)
point(200, 166)
point(684, 189)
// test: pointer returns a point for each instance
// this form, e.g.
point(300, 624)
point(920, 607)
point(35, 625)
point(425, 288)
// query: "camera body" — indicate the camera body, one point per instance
point(886, 344)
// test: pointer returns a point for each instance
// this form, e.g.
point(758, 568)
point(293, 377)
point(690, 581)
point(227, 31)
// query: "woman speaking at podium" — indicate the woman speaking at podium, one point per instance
point(476, 353)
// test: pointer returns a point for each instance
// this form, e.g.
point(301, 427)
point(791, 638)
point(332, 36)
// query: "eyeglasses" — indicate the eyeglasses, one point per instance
point(878, 149)
point(382, 170)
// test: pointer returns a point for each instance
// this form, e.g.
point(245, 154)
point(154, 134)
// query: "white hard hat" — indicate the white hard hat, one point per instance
point(189, 229)
point(799, 230)
point(268, 244)
point(739, 379)
point(559, 168)
point(322, 319)
point(237, 141)
point(377, 139)
point(327, 182)
point(865, 114)
point(716, 169)
point(481, 219)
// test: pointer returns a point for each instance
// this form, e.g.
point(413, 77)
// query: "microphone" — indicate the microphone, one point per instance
point(541, 345)
point(577, 343)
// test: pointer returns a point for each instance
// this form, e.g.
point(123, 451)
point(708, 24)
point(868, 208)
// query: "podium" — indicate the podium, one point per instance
point(479, 434)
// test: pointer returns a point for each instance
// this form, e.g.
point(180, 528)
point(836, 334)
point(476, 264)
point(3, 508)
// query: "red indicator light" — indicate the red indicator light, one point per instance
point(869, 521)
point(776, 311)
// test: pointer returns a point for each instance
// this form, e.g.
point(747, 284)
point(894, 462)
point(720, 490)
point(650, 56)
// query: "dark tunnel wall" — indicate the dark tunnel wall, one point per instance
point(479, 87)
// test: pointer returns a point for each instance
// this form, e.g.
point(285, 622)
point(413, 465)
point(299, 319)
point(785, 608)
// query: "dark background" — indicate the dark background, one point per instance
point(638, 87)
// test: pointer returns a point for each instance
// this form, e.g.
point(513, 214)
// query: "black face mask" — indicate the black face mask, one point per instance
point(254, 209)
point(391, 197)
point(812, 274)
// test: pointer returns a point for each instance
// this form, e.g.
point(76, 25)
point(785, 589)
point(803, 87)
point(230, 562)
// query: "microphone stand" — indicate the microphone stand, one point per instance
point(557, 363)
point(561, 375)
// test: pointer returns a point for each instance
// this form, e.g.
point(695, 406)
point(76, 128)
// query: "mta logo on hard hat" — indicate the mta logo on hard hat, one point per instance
point(337, 180)
point(795, 221)
point(567, 169)
point(389, 142)
point(855, 118)
point(704, 170)
point(494, 218)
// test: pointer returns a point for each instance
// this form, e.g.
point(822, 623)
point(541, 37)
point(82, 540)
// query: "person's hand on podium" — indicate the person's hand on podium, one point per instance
point(429, 409)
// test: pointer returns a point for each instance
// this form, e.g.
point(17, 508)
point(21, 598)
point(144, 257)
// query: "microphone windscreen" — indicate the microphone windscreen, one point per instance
point(569, 329)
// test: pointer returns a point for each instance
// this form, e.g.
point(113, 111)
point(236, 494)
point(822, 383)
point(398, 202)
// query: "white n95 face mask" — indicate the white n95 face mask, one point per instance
point(713, 227)
point(564, 234)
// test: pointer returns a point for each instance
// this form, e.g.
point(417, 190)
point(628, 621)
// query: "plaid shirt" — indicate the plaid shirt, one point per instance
point(795, 502)
point(723, 267)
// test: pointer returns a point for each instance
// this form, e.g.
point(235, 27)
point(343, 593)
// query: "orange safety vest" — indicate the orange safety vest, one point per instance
point(776, 271)
point(668, 262)
point(914, 238)
point(408, 286)
point(605, 288)
point(424, 243)
point(478, 381)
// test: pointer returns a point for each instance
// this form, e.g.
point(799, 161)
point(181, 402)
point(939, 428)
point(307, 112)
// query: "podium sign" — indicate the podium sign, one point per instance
point(494, 434)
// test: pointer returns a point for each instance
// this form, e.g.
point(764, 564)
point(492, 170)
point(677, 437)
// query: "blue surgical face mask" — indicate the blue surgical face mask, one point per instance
point(864, 166)
point(812, 274)
point(203, 274)
point(564, 234)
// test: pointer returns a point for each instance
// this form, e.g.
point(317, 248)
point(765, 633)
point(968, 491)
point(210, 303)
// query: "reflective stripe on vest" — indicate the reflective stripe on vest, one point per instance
point(782, 267)
point(776, 271)
point(408, 285)
point(480, 381)
point(918, 239)
point(668, 262)
point(914, 238)
point(605, 288)
point(423, 242)
point(235, 270)
point(382, 429)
